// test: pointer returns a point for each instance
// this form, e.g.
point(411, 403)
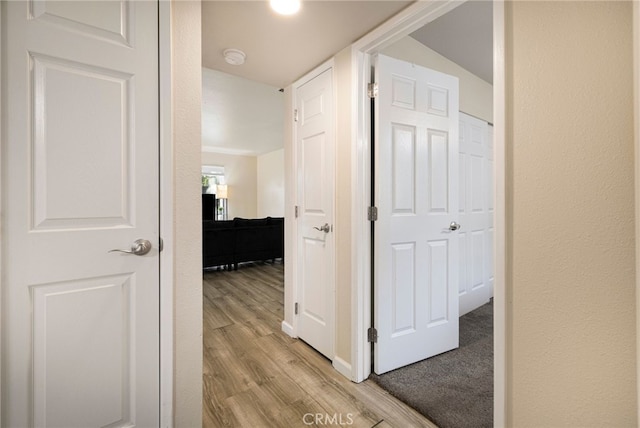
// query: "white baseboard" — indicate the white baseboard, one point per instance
point(343, 367)
point(288, 329)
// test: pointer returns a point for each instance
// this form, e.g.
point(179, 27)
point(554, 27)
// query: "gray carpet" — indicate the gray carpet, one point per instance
point(454, 389)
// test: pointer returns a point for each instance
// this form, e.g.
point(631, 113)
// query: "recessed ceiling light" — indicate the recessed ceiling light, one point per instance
point(234, 56)
point(285, 7)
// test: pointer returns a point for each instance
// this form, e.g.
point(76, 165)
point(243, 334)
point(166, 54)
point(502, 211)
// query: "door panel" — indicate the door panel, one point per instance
point(315, 176)
point(103, 305)
point(60, 198)
point(476, 214)
point(416, 269)
point(80, 324)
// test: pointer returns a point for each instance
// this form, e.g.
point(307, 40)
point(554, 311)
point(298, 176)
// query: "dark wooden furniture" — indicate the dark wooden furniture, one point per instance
point(229, 242)
point(208, 206)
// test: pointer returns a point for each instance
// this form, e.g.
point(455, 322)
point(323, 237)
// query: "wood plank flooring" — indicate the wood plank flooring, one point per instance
point(256, 376)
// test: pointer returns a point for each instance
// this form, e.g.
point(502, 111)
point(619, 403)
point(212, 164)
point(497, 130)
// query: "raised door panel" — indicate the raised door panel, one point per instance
point(403, 288)
point(438, 171)
point(110, 20)
point(403, 169)
point(313, 187)
point(88, 362)
point(92, 187)
point(314, 299)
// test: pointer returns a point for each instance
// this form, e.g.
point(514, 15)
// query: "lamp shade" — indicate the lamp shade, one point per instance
point(221, 191)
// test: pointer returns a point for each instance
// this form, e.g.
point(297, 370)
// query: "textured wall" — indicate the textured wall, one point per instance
point(571, 319)
point(186, 105)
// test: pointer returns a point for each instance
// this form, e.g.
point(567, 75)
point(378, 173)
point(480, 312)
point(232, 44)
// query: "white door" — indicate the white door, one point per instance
point(80, 325)
point(476, 214)
point(416, 191)
point(314, 139)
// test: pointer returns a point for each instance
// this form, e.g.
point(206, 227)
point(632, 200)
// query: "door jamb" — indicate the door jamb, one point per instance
point(167, 344)
point(401, 25)
point(1, 223)
point(636, 137)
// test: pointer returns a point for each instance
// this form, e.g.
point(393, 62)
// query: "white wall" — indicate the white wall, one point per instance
point(342, 228)
point(187, 229)
point(476, 95)
point(270, 184)
point(241, 176)
point(240, 116)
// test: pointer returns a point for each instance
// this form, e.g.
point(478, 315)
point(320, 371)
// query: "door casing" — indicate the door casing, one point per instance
point(167, 340)
point(407, 21)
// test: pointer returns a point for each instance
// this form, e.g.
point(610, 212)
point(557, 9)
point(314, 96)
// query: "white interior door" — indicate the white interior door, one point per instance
point(80, 325)
point(314, 139)
point(416, 250)
point(476, 214)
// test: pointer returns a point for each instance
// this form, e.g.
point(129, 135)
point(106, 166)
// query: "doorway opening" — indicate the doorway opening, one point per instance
point(365, 49)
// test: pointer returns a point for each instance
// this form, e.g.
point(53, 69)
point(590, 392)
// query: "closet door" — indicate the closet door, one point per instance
point(80, 324)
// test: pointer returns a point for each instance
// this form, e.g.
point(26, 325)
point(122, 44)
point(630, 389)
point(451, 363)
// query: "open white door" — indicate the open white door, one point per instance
point(314, 140)
point(80, 324)
point(476, 214)
point(416, 237)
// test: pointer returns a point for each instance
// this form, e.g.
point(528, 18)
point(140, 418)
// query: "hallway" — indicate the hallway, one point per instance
point(256, 376)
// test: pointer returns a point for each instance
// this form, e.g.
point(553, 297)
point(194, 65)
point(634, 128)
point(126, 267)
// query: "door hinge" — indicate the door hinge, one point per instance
point(295, 115)
point(372, 335)
point(295, 308)
point(372, 213)
point(296, 211)
point(372, 90)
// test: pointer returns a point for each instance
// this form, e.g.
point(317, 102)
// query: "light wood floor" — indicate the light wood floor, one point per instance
point(256, 376)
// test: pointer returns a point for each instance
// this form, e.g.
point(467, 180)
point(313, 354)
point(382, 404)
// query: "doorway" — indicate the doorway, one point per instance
point(314, 189)
point(405, 23)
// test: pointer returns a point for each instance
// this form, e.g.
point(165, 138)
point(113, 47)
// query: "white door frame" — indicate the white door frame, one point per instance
point(636, 136)
point(166, 215)
point(167, 343)
point(412, 18)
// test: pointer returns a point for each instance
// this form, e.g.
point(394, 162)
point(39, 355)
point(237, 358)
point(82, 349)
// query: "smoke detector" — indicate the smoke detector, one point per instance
point(234, 56)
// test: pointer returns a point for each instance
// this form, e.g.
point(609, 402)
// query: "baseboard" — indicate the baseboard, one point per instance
point(343, 367)
point(288, 329)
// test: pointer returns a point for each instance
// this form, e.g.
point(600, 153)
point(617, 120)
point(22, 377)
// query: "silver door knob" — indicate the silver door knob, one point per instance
point(324, 228)
point(454, 226)
point(140, 247)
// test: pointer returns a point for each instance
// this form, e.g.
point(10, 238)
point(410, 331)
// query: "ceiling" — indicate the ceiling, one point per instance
point(282, 49)
point(465, 36)
point(240, 116)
